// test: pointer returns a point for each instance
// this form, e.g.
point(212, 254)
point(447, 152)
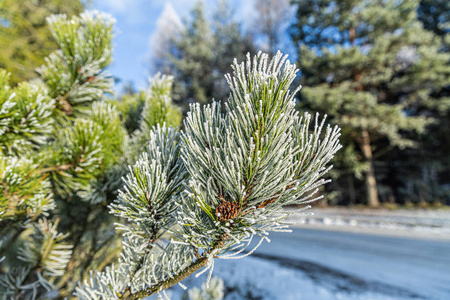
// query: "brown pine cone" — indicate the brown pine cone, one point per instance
point(226, 211)
point(65, 106)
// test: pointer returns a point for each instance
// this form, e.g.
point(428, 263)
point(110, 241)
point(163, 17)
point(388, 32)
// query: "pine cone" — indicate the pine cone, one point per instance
point(65, 106)
point(226, 211)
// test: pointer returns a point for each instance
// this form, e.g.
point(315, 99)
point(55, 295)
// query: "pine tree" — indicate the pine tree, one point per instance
point(230, 43)
point(193, 65)
point(151, 107)
point(369, 65)
point(205, 193)
point(202, 54)
point(24, 36)
point(427, 175)
point(63, 151)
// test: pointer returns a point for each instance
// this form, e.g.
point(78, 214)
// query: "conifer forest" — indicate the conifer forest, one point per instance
point(108, 191)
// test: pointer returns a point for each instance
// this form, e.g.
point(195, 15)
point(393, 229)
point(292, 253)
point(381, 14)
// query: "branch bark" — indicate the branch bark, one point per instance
point(64, 167)
point(191, 269)
point(194, 267)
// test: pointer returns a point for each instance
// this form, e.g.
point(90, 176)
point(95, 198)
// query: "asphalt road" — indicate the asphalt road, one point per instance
point(414, 268)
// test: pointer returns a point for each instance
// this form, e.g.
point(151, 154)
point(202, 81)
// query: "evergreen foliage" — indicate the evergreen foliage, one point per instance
point(203, 52)
point(369, 65)
point(63, 151)
point(45, 255)
point(213, 291)
point(207, 192)
point(145, 110)
point(426, 175)
point(24, 36)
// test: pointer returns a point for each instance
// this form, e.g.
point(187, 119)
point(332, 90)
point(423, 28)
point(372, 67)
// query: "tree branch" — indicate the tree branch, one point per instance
point(64, 167)
point(192, 268)
point(197, 265)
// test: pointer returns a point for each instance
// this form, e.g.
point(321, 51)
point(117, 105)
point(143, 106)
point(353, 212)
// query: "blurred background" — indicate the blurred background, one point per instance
point(379, 69)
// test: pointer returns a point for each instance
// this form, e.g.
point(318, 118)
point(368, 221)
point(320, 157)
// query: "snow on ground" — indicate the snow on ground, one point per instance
point(256, 278)
point(431, 224)
point(413, 268)
point(325, 261)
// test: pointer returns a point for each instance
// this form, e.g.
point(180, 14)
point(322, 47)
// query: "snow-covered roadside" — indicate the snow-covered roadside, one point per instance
point(257, 278)
point(323, 265)
point(426, 224)
point(418, 266)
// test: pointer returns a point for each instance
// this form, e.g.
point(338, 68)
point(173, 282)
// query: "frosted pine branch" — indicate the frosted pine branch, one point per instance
point(205, 193)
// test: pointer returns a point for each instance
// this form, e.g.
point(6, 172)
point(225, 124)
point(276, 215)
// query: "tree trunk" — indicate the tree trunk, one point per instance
point(352, 35)
point(351, 189)
point(370, 181)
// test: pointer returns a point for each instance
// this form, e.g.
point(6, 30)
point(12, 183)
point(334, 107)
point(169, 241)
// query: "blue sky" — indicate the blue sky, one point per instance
point(136, 22)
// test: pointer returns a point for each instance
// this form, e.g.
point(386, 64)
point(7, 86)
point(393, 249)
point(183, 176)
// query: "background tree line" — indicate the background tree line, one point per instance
point(379, 68)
